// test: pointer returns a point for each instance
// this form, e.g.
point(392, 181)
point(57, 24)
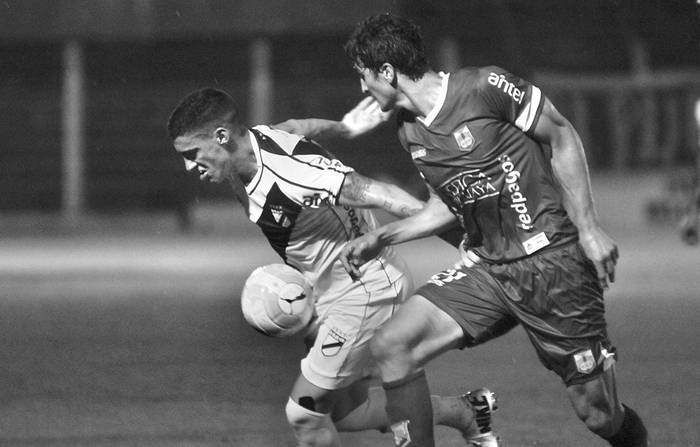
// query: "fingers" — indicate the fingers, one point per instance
point(606, 269)
point(610, 270)
point(350, 264)
point(371, 107)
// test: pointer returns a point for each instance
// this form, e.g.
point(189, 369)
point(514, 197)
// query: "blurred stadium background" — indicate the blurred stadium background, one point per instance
point(119, 272)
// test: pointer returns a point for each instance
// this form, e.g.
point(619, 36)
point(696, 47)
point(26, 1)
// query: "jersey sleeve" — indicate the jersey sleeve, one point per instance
point(511, 98)
point(303, 171)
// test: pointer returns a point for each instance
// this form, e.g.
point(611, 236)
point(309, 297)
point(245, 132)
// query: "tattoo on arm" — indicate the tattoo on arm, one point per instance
point(356, 188)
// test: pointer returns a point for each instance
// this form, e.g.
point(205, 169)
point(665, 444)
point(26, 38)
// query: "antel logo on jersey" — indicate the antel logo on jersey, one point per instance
point(467, 187)
point(499, 81)
point(315, 200)
point(517, 199)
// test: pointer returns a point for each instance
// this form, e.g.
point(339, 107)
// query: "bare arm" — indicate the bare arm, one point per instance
point(364, 192)
point(361, 119)
point(432, 219)
point(571, 170)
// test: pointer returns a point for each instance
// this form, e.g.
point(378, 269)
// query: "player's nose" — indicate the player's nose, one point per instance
point(190, 165)
point(363, 86)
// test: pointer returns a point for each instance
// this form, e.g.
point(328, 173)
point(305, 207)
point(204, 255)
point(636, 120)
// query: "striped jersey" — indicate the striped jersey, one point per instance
point(293, 198)
point(476, 149)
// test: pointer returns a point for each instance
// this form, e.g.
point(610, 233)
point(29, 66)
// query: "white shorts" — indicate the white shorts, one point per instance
point(348, 313)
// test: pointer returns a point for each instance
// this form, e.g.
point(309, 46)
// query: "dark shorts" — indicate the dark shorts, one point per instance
point(555, 295)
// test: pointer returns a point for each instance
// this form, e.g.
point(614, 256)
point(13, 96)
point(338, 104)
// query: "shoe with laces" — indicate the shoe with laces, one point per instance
point(483, 403)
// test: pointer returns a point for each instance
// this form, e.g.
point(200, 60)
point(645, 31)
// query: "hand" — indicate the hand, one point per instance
point(467, 258)
point(365, 116)
point(602, 250)
point(358, 251)
point(689, 229)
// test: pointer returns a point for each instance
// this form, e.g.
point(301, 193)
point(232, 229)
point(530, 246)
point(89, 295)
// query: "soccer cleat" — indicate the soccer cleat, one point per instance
point(483, 403)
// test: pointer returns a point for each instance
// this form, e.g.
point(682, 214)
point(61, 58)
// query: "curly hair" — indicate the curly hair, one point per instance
point(386, 38)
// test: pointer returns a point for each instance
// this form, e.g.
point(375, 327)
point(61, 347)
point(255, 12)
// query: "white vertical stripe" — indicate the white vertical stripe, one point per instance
point(527, 116)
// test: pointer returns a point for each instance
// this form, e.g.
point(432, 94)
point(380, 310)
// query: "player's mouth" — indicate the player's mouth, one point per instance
point(203, 174)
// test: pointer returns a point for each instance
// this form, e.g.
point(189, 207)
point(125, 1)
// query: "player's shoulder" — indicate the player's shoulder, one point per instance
point(285, 140)
point(478, 77)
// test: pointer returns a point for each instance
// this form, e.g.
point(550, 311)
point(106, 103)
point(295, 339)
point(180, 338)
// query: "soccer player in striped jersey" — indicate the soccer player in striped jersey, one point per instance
point(308, 205)
point(500, 159)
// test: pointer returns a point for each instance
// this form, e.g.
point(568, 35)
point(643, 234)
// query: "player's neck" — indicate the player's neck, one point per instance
point(244, 161)
point(422, 94)
point(239, 191)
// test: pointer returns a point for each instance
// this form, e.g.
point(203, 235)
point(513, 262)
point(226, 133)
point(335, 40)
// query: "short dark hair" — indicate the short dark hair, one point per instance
point(385, 38)
point(200, 109)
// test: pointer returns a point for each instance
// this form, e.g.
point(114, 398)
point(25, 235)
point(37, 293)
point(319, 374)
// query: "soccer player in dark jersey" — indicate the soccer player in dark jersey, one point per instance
point(308, 205)
point(499, 158)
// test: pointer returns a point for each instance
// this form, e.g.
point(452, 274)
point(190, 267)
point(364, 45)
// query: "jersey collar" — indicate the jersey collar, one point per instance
point(430, 117)
point(256, 150)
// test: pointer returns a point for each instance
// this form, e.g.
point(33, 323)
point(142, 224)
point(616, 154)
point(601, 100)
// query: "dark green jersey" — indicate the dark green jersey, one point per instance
point(477, 151)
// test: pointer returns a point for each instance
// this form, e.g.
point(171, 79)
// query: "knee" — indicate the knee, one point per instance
point(387, 348)
point(311, 429)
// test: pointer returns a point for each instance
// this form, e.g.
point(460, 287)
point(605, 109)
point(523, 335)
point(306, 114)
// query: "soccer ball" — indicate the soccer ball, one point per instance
point(277, 300)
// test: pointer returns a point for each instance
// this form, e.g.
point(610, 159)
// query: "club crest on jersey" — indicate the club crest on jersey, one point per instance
point(585, 362)
point(333, 343)
point(465, 139)
point(279, 216)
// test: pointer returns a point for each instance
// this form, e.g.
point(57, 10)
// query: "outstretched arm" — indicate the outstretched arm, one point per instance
point(361, 119)
point(571, 170)
point(433, 218)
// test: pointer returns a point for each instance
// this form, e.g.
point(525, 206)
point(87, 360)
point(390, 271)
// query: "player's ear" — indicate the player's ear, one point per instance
point(222, 135)
point(388, 73)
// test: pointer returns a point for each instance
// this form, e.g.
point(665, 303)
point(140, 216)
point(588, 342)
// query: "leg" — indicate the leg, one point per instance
point(361, 406)
point(308, 413)
point(597, 405)
point(330, 385)
point(418, 332)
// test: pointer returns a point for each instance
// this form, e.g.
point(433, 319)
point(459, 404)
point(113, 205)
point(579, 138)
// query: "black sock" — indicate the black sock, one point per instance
point(410, 411)
point(632, 433)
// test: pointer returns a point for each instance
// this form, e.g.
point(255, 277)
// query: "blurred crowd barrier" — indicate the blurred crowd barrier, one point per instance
point(640, 120)
point(86, 90)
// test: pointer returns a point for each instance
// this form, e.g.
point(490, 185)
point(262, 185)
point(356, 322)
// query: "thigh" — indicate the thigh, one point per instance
point(557, 298)
point(473, 300)
point(598, 395)
point(347, 321)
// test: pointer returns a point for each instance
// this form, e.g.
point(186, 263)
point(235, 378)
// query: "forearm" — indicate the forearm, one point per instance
point(314, 128)
point(434, 218)
point(361, 119)
point(571, 171)
point(363, 192)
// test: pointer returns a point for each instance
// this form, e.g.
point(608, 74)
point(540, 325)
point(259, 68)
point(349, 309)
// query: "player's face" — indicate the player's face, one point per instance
point(378, 86)
point(206, 154)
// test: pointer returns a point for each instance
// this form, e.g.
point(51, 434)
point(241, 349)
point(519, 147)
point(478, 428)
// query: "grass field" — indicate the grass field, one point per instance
point(137, 340)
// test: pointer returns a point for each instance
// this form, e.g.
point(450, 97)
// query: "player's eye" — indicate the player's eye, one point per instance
point(190, 155)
